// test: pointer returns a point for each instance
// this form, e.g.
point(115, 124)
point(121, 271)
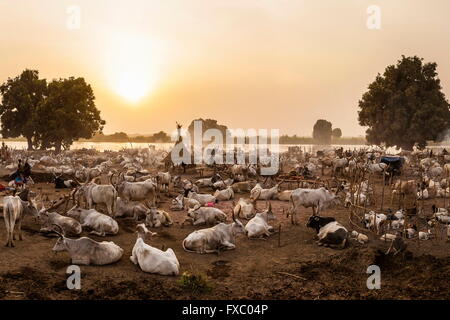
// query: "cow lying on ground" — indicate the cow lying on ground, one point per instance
point(157, 218)
point(246, 207)
point(214, 239)
point(224, 195)
point(183, 203)
point(259, 193)
point(70, 226)
point(329, 232)
point(258, 226)
point(100, 223)
point(134, 209)
point(151, 259)
point(206, 215)
point(85, 251)
point(204, 199)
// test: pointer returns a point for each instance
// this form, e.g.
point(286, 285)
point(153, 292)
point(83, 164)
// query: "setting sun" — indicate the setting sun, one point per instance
point(131, 65)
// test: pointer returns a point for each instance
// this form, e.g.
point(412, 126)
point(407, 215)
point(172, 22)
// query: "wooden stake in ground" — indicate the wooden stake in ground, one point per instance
point(382, 190)
point(279, 236)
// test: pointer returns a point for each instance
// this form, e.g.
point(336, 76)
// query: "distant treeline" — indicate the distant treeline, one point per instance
point(285, 139)
point(162, 137)
point(159, 137)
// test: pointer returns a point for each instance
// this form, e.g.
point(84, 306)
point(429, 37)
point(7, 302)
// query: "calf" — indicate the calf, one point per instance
point(330, 233)
point(360, 237)
point(151, 259)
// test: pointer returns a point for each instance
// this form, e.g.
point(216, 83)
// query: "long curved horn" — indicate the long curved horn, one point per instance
point(60, 234)
point(111, 178)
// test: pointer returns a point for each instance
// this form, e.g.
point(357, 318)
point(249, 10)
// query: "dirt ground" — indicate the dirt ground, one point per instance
point(257, 269)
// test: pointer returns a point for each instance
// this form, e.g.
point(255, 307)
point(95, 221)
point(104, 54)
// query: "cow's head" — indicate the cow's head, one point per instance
point(143, 232)
point(177, 203)
point(316, 222)
point(152, 218)
point(60, 245)
point(238, 228)
point(74, 212)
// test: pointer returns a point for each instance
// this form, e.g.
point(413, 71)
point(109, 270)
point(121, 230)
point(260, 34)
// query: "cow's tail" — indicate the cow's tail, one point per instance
point(185, 249)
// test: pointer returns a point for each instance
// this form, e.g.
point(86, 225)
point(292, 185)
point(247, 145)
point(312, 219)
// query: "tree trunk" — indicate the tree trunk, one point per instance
point(30, 143)
point(58, 146)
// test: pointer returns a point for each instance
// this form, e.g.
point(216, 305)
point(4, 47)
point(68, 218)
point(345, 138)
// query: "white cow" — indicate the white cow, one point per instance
point(14, 210)
point(224, 195)
point(318, 199)
point(101, 224)
point(258, 226)
point(151, 259)
point(204, 199)
point(85, 251)
point(206, 215)
point(246, 207)
point(214, 239)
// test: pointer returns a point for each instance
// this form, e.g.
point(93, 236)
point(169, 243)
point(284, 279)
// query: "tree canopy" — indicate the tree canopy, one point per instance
point(21, 97)
point(48, 115)
point(405, 105)
point(322, 131)
point(336, 133)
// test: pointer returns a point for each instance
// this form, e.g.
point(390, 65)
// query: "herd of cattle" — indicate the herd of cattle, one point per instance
point(131, 190)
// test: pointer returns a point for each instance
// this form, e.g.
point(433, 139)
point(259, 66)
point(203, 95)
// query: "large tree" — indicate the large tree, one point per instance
point(322, 131)
point(21, 97)
point(336, 133)
point(405, 105)
point(67, 114)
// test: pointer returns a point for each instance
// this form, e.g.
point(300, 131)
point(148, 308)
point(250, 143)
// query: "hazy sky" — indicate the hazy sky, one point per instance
point(247, 63)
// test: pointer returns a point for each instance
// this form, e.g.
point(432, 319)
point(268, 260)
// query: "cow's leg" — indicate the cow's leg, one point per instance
point(228, 245)
point(98, 233)
point(81, 260)
point(199, 221)
point(12, 223)
point(19, 229)
point(7, 228)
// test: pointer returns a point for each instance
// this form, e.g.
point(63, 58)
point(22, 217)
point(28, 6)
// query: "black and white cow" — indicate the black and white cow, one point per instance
point(329, 231)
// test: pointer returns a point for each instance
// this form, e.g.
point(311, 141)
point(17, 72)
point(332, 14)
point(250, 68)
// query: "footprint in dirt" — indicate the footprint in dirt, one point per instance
point(220, 269)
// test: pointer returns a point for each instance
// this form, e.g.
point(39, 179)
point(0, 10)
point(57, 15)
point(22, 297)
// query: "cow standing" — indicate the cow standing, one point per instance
point(14, 210)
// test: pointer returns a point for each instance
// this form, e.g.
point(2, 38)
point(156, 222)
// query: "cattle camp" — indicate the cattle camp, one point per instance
point(131, 217)
point(189, 153)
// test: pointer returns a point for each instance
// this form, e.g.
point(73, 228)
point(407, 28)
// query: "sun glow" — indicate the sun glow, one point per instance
point(131, 66)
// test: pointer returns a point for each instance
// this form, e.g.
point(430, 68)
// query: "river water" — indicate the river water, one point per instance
point(116, 146)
